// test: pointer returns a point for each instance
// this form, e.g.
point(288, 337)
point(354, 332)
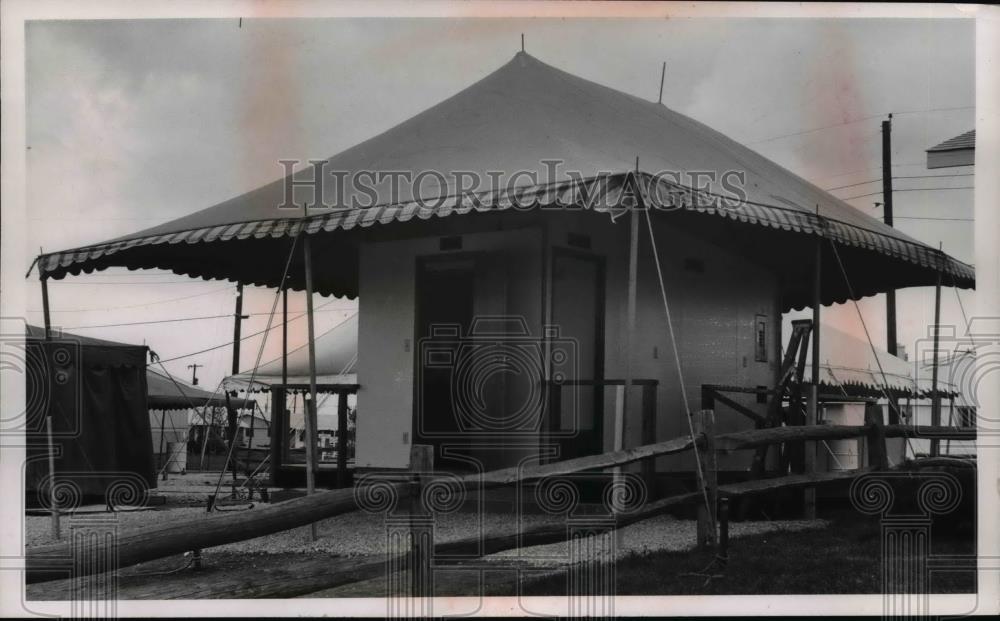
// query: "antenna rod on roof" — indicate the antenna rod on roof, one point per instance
point(663, 74)
point(522, 41)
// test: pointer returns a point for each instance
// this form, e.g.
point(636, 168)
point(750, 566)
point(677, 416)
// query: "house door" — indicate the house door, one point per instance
point(445, 300)
point(578, 312)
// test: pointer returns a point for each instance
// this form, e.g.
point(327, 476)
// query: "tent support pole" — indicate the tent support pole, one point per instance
point(163, 431)
point(204, 438)
point(310, 411)
point(342, 480)
point(633, 270)
point(53, 501)
point(279, 400)
point(45, 308)
point(935, 397)
point(812, 410)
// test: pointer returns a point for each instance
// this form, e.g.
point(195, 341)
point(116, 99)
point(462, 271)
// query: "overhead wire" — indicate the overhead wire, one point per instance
point(181, 319)
point(249, 336)
point(851, 185)
point(960, 187)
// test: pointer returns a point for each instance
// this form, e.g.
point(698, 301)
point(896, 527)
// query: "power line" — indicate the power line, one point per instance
point(851, 185)
point(858, 120)
point(935, 176)
point(816, 129)
point(88, 310)
point(180, 319)
point(929, 218)
point(963, 187)
point(230, 343)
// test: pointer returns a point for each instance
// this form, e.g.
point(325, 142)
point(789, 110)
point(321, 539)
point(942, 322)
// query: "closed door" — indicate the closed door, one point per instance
point(578, 312)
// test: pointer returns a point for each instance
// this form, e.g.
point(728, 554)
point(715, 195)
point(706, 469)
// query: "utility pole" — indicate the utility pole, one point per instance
point(231, 411)
point(890, 296)
point(239, 317)
point(194, 373)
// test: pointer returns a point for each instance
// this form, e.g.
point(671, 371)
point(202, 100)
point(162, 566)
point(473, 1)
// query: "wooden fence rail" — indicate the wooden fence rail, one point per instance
point(135, 546)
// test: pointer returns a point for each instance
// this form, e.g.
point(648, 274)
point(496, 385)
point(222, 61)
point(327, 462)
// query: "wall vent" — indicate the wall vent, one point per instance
point(453, 242)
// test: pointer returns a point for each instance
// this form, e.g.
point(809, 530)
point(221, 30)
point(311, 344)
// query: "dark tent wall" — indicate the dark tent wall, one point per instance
point(95, 393)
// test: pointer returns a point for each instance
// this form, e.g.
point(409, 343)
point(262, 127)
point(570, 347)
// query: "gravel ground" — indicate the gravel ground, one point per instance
point(361, 534)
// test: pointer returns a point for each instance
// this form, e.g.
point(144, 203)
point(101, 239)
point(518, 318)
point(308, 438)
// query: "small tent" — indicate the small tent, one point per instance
point(336, 362)
point(94, 393)
point(174, 406)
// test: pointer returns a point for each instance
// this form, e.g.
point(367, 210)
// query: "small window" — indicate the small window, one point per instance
point(760, 338)
point(966, 416)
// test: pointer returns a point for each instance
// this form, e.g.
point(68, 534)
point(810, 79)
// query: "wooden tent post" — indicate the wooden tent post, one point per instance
point(310, 410)
point(342, 480)
point(812, 410)
point(633, 270)
point(279, 397)
point(163, 430)
point(231, 453)
point(53, 501)
point(45, 308)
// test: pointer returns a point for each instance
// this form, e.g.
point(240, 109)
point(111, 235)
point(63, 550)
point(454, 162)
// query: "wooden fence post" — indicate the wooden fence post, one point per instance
point(878, 456)
point(708, 481)
point(555, 417)
point(421, 523)
point(723, 530)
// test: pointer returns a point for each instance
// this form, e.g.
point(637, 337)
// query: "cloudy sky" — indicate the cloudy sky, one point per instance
point(133, 123)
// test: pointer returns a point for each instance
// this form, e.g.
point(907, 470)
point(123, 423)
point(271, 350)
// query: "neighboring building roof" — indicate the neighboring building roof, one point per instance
point(336, 362)
point(963, 141)
point(850, 364)
point(516, 119)
point(167, 394)
point(957, 151)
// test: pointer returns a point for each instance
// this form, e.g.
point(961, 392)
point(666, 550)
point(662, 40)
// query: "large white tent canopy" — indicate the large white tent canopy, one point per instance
point(336, 363)
point(848, 361)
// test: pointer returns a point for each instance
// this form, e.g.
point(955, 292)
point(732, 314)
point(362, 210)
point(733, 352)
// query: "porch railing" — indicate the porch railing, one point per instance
point(51, 562)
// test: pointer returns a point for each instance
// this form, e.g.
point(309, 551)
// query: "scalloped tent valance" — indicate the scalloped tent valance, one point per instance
point(513, 121)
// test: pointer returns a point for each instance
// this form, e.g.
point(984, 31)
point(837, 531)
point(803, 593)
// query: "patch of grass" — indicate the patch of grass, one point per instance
point(843, 558)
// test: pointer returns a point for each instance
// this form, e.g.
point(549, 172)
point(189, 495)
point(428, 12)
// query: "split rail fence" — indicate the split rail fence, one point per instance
point(59, 564)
